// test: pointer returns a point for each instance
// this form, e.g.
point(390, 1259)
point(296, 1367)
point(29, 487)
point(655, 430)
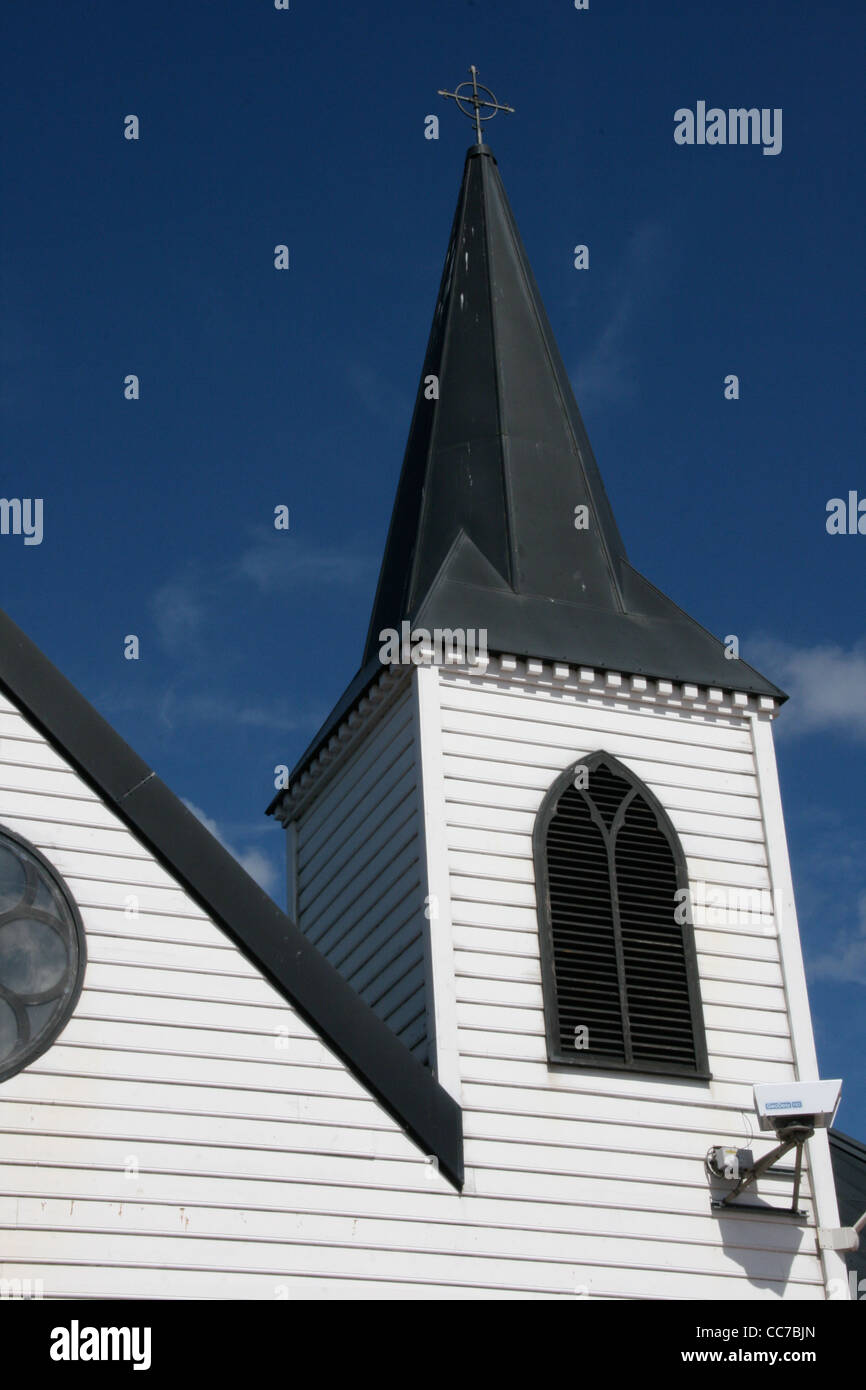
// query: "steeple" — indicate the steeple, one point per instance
point(501, 520)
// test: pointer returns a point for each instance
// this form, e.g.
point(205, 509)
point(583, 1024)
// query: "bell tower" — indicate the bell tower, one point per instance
point(554, 861)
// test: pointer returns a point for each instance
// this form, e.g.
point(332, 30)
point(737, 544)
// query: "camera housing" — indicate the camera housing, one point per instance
point(810, 1103)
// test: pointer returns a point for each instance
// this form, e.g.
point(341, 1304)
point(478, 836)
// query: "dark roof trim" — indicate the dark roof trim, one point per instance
point(352, 695)
point(265, 935)
point(852, 1148)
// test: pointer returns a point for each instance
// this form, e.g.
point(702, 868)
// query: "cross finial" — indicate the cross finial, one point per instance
point(476, 102)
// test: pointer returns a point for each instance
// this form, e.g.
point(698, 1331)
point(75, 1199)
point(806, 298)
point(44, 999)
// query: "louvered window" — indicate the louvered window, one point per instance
point(619, 971)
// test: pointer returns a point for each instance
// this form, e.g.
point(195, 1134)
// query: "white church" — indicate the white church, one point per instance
point(540, 942)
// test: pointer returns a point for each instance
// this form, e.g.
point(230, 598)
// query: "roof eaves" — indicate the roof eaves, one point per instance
point(351, 696)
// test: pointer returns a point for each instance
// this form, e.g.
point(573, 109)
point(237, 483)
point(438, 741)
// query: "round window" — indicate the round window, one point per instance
point(42, 954)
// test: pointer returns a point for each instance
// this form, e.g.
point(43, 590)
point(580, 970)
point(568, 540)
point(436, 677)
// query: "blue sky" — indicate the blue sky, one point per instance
point(261, 388)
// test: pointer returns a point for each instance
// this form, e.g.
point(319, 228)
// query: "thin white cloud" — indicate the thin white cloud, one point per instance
point(178, 611)
point(259, 867)
point(847, 959)
point(606, 372)
point(256, 863)
point(191, 707)
point(826, 683)
point(280, 560)
point(184, 605)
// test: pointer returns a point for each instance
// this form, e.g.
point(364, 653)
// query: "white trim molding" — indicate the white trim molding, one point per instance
point(794, 978)
point(620, 686)
point(441, 973)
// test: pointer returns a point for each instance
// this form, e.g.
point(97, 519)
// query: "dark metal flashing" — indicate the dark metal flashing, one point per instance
point(501, 460)
point(226, 893)
point(848, 1159)
point(852, 1149)
point(650, 643)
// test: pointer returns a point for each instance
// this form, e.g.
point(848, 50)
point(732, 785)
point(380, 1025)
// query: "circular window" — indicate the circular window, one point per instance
point(42, 954)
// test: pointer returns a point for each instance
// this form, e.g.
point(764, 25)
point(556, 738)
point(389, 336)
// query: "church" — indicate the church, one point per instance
point(540, 939)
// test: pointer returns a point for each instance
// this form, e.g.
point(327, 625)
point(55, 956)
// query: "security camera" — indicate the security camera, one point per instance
point(812, 1104)
point(794, 1110)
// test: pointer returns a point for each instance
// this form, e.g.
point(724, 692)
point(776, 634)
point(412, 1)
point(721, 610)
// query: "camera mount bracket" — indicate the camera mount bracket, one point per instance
point(792, 1134)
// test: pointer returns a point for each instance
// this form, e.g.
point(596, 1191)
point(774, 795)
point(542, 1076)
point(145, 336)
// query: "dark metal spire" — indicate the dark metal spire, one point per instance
point(497, 473)
point(476, 102)
point(501, 520)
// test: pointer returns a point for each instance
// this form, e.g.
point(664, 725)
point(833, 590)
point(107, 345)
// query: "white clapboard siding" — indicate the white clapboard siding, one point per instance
point(359, 873)
point(188, 1136)
point(626, 1147)
point(381, 1214)
point(559, 1203)
point(484, 768)
point(464, 797)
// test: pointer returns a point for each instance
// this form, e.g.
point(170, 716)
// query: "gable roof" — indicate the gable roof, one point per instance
point(483, 532)
point(215, 880)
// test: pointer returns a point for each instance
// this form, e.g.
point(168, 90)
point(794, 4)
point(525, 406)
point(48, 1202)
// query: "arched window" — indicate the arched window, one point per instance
point(618, 963)
point(42, 954)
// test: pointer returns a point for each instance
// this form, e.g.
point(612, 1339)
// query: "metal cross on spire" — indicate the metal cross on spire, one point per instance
point(476, 102)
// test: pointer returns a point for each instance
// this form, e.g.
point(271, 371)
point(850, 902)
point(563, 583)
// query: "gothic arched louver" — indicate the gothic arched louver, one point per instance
point(42, 954)
point(619, 971)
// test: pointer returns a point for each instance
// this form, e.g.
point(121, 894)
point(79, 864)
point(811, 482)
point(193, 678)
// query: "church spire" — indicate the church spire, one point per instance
point(501, 520)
